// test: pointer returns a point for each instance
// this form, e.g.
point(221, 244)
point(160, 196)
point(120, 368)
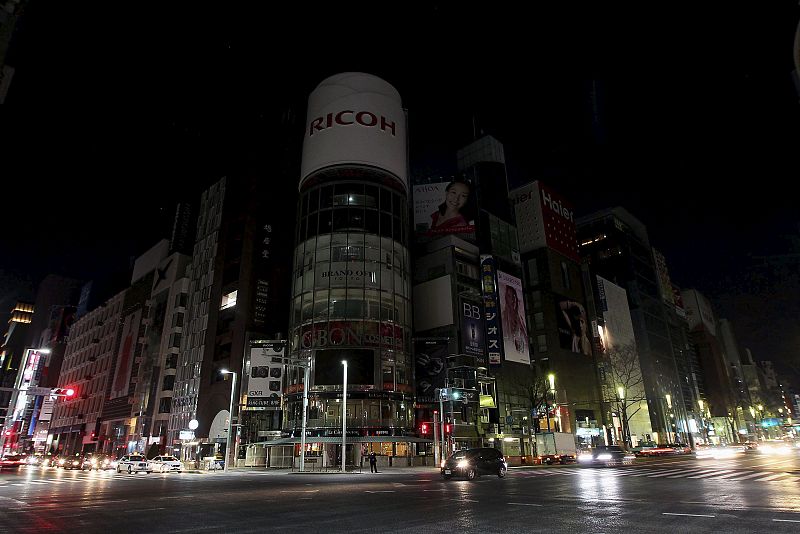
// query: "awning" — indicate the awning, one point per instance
point(350, 439)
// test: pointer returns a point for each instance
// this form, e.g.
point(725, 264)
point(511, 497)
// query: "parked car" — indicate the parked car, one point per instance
point(471, 463)
point(133, 463)
point(165, 464)
point(606, 455)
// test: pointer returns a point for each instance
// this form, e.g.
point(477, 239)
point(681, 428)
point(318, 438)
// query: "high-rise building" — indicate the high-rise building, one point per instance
point(563, 342)
point(616, 246)
point(351, 291)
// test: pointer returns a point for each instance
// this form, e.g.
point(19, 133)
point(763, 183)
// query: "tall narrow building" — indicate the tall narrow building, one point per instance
point(350, 284)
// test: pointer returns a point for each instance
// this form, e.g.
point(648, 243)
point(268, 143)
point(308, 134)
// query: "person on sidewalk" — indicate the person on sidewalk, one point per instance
point(373, 462)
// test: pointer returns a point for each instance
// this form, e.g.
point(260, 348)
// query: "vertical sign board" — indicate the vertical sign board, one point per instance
point(472, 331)
point(494, 338)
point(265, 377)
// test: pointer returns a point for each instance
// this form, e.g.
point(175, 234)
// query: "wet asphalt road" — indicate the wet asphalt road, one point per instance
point(679, 494)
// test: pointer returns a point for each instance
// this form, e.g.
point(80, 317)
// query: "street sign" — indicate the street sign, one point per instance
point(38, 391)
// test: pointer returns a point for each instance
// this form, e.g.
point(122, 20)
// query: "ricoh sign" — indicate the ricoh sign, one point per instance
point(545, 219)
point(355, 119)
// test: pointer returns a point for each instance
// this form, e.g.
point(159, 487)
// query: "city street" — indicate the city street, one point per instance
point(753, 493)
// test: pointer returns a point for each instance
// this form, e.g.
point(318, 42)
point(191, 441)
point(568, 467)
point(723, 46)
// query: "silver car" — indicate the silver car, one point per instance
point(164, 464)
point(133, 463)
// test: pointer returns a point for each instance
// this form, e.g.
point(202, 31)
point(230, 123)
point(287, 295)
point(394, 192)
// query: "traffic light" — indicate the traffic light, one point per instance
point(64, 392)
point(8, 432)
point(425, 428)
point(448, 428)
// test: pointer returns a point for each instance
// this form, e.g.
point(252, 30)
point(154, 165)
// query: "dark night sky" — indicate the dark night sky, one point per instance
point(115, 113)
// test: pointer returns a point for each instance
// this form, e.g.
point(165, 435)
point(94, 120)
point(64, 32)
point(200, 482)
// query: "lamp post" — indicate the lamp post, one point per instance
point(624, 413)
point(305, 411)
point(230, 419)
point(344, 416)
point(552, 379)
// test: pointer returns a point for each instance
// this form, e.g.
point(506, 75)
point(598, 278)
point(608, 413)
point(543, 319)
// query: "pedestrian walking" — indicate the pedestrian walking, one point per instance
point(373, 462)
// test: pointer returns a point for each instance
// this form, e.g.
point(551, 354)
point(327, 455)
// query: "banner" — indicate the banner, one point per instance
point(445, 208)
point(573, 329)
point(430, 357)
point(472, 332)
point(265, 379)
point(494, 341)
point(122, 374)
point(512, 312)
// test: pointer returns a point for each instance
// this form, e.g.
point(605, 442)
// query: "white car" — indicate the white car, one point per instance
point(165, 464)
point(133, 463)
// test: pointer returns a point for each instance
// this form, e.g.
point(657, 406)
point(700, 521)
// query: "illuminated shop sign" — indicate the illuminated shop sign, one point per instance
point(494, 338)
point(352, 333)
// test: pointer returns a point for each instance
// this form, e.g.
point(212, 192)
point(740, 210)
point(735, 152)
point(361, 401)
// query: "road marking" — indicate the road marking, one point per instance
point(15, 501)
point(772, 477)
point(787, 520)
point(688, 515)
point(711, 474)
point(524, 504)
point(142, 510)
point(665, 473)
point(694, 472)
point(380, 491)
point(299, 491)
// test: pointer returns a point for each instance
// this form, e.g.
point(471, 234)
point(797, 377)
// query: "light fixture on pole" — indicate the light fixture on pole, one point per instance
point(623, 412)
point(344, 416)
point(305, 411)
point(551, 378)
point(230, 419)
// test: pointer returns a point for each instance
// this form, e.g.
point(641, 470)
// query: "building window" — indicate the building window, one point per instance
point(229, 300)
point(538, 321)
point(165, 405)
point(536, 300)
point(565, 275)
point(541, 342)
point(533, 272)
point(169, 383)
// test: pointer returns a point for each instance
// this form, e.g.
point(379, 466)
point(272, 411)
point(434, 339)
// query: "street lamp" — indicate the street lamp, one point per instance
point(624, 413)
point(552, 379)
point(344, 416)
point(230, 419)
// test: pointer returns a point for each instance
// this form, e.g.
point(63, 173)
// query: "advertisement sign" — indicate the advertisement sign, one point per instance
point(472, 333)
point(265, 378)
point(351, 333)
point(445, 208)
point(430, 357)
point(122, 374)
point(573, 329)
point(545, 218)
point(355, 119)
point(512, 313)
point(494, 341)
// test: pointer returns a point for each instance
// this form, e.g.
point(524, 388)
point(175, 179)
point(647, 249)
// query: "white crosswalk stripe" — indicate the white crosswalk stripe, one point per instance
point(728, 475)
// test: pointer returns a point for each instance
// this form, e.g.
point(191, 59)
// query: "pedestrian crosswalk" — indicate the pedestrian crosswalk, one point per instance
point(697, 473)
point(84, 478)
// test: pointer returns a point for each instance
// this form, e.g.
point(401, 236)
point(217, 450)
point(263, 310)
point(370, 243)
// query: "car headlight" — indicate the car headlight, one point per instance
point(462, 463)
point(603, 456)
point(75, 462)
point(585, 457)
point(62, 462)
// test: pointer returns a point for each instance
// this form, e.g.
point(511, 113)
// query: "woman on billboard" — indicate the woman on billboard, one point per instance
point(513, 320)
point(453, 213)
point(575, 318)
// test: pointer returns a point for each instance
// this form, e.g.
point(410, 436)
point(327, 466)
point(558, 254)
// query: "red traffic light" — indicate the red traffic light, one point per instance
point(8, 432)
point(69, 392)
point(424, 428)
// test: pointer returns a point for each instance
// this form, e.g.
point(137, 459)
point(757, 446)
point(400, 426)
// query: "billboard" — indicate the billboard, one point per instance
point(265, 378)
point(472, 333)
point(545, 219)
point(494, 341)
point(355, 119)
point(512, 313)
point(444, 208)
point(430, 367)
point(122, 373)
point(573, 328)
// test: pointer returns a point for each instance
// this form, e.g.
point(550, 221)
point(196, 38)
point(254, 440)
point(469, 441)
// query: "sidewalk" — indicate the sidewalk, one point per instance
point(364, 470)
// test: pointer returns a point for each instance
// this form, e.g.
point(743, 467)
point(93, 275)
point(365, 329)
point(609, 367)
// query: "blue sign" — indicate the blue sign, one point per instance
point(491, 308)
